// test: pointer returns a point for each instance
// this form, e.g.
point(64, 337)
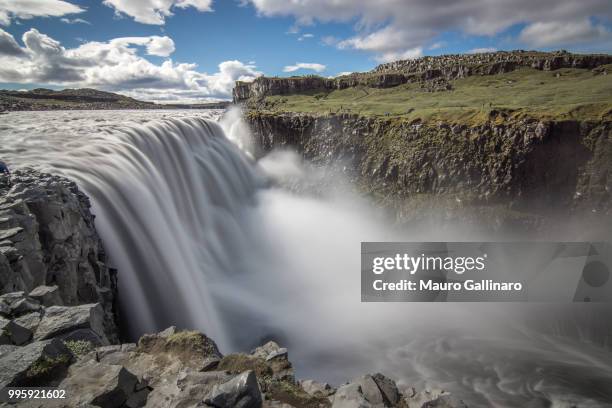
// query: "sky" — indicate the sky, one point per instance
point(194, 50)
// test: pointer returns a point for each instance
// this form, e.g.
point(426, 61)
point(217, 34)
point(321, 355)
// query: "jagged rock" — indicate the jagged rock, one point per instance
point(210, 364)
point(280, 353)
point(47, 295)
point(23, 306)
point(59, 320)
point(350, 396)
point(50, 247)
point(265, 350)
point(13, 333)
point(103, 385)
point(445, 401)
point(315, 388)
point(388, 388)
point(24, 365)
point(30, 321)
point(370, 390)
point(240, 392)
point(9, 298)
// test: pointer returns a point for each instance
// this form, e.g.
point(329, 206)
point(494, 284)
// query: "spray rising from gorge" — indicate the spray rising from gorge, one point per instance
point(205, 237)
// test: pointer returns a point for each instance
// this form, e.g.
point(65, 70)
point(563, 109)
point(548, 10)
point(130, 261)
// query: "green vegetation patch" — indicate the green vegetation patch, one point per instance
point(238, 363)
point(79, 347)
point(560, 95)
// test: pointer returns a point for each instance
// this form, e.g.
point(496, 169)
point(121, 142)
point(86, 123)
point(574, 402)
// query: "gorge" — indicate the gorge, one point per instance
point(244, 226)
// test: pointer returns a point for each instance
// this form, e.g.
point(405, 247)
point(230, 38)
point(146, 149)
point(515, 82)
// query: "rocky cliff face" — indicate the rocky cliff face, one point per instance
point(425, 69)
point(531, 167)
point(48, 240)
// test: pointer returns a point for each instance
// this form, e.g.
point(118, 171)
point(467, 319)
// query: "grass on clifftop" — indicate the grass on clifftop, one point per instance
point(561, 94)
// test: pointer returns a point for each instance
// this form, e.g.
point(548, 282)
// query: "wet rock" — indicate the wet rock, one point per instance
point(59, 320)
point(241, 391)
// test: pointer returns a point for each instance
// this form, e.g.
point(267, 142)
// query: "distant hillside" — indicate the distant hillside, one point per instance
point(456, 88)
point(85, 98)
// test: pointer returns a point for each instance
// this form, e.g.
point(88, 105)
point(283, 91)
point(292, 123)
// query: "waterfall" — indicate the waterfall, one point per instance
point(204, 238)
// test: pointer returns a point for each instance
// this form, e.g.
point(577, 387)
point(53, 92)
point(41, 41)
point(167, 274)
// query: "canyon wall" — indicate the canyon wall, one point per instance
point(528, 167)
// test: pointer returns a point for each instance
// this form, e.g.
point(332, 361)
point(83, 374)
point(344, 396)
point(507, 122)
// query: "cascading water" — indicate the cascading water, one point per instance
point(202, 240)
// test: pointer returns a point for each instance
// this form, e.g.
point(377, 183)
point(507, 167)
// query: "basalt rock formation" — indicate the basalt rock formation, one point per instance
point(526, 170)
point(50, 253)
point(426, 69)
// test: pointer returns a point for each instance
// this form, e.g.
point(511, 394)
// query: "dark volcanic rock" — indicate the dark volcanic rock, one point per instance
point(50, 247)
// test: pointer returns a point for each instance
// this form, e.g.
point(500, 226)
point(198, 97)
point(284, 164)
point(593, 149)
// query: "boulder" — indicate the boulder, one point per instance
point(280, 353)
point(59, 320)
point(25, 365)
point(104, 386)
point(47, 295)
point(24, 306)
point(350, 396)
point(241, 391)
point(191, 348)
point(370, 391)
point(388, 388)
point(265, 350)
point(13, 333)
point(315, 388)
point(30, 321)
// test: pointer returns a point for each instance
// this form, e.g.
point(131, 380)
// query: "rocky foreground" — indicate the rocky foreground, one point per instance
point(58, 327)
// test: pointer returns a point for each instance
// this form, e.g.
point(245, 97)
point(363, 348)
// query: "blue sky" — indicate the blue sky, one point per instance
point(187, 50)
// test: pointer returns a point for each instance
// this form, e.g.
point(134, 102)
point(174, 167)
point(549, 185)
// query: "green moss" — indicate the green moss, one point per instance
point(79, 347)
point(293, 395)
point(238, 363)
point(561, 94)
point(45, 365)
point(191, 340)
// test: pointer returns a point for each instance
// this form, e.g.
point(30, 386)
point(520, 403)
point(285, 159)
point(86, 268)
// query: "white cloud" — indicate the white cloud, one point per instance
point(74, 21)
point(27, 9)
point(545, 34)
point(396, 56)
point(437, 45)
point(305, 36)
point(482, 50)
point(155, 11)
point(155, 45)
point(116, 66)
point(339, 74)
point(394, 27)
point(305, 65)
